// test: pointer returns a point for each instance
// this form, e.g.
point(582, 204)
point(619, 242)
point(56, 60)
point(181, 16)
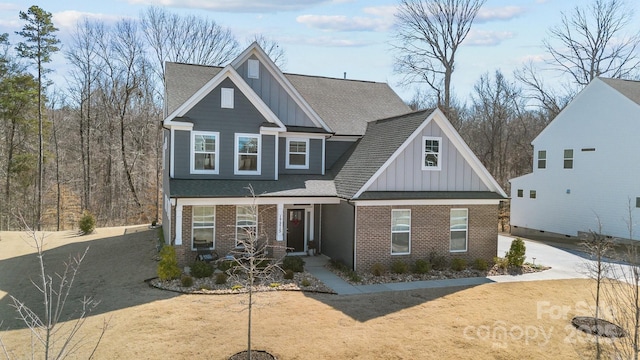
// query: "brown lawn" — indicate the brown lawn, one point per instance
point(494, 321)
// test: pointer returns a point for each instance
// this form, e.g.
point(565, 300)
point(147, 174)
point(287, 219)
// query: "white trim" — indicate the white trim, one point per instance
point(252, 208)
point(276, 156)
point(179, 207)
point(178, 125)
point(280, 222)
point(192, 153)
point(324, 155)
point(400, 232)
point(418, 202)
point(266, 130)
point(466, 232)
point(213, 228)
point(236, 154)
point(438, 165)
point(226, 98)
point(287, 134)
point(172, 152)
point(288, 153)
point(355, 236)
point(260, 200)
point(255, 49)
point(253, 69)
point(308, 227)
point(165, 146)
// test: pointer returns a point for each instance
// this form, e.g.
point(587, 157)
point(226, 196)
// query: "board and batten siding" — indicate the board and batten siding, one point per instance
point(334, 149)
point(338, 231)
point(315, 158)
point(405, 172)
point(207, 115)
point(275, 96)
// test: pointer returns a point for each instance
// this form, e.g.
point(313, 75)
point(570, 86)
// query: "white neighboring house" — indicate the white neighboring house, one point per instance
point(586, 167)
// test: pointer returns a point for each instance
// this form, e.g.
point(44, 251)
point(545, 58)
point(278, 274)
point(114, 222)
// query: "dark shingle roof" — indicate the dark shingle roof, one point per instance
point(184, 80)
point(432, 195)
point(381, 140)
point(628, 88)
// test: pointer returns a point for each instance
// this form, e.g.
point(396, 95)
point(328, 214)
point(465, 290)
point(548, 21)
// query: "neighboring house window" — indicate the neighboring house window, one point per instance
point(204, 154)
point(400, 232)
point(247, 159)
point(226, 101)
point(432, 148)
point(520, 193)
point(542, 159)
point(638, 202)
point(204, 226)
point(246, 224)
point(458, 229)
point(532, 194)
point(568, 158)
point(297, 153)
point(253, 69)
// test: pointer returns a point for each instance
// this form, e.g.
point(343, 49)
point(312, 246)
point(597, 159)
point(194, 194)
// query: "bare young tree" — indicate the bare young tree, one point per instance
point(271, 47)
point(591, 41)
point(428, 34)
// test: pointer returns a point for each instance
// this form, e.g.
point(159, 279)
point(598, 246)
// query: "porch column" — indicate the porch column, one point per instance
point(280, 222)
point(178, 224)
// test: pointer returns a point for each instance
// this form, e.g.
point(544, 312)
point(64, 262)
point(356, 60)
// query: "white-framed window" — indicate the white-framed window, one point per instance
point(400, 231)
point(568, 158)
point(520, 193)
point(203, 226)
point(297, 153)
point(246, 223)
point(226, 98)
point(431, 151)
point(253, 69)
point(205, 152)
point(247, 157)
point(458, 229)
point(542, 159)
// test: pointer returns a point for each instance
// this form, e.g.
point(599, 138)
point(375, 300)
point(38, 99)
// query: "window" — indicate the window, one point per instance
point(431, 153)
point(532, 194)
point(246, 224)
point(568, 158)
point(520, 193)
point(253, 69)
point(226, 100)
point(247, 159)
point(204, 154)
point(400, 232)
point(542, 159)
point(297, 153)
point(204, 225)
point(638, 202)
point(458, 226)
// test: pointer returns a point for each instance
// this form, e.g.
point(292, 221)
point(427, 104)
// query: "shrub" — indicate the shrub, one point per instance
point(237, 287)
point(221, 278)
point(516, 254)
point(226, 265)
point(168, 265)
point(480, 264)
point(421, 266)
point(293, 263)
point(87, 223)
point(274, 284)
point(399, 267)
point(354, 277)
point(458, 264)
point(201, 269)
point(305, 282)
point(438, 262)
point(339, 265)
point(288, 274)
point(377, 269)
point(186, 281)
point(501, 262)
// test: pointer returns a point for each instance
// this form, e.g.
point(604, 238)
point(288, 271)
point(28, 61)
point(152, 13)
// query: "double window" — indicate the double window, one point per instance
point(247, 159)
point(431, 151)
point(458, 229)
point(204, 152)
point(246, 224)
point(297, 153)
point(204, 226)
point(400, 231)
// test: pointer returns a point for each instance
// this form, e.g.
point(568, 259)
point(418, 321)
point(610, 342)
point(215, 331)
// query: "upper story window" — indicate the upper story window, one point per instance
point(246, 224)
point(458, 229)
point(247, 157)
point(431, 150)
point(297, 153)
point(253, 69)
point(520, 193)
point(542, 159)
point(568, 158)
point(204, 152)
point(400, 231)
point(203, 226)
point(226, 101)
point(532, 194)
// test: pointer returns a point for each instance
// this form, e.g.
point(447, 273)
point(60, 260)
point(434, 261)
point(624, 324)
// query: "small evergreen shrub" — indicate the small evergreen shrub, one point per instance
point(421, 266)
point(502, 263)
point(516, 254)
point(305, 282)
point(377, 269)
point(354, 277)
point(399, 267)
point(87, 223)
point(226, 265)
point(201, 269)
point(186, 281)
point(480, 264)
point(168, 265)
point(458, 264)
point(293, 263)
point(438, 262)
point(288, 274)
point(221, 278)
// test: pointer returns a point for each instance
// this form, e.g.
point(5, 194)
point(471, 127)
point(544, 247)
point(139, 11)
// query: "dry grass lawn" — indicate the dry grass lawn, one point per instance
point(494, 321)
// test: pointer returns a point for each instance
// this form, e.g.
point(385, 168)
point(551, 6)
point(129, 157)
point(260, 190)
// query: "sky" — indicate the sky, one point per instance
point(331, 37)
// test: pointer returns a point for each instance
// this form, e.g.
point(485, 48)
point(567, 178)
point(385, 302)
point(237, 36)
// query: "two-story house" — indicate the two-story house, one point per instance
point(586, 168)
point(342, 162)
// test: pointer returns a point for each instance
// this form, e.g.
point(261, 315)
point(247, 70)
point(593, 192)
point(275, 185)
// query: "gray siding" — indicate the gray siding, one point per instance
point(270, 91)
point(209, 116)
point(334, 150)
point(405, 172)
point(337, 231)
point(166, 191)
point(315, 158)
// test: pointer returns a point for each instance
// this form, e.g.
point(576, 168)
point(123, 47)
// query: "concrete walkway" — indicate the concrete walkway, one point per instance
point(565, 264)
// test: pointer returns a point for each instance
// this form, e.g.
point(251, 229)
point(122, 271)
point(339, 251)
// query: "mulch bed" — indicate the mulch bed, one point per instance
point(598, 327)
point(255, 355)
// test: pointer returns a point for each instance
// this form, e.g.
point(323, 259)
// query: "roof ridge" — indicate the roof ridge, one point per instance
point(337, 78)
point(192, 64)
point(397, 117)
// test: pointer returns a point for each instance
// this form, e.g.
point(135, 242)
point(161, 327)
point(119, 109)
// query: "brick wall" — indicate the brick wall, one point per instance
point(429, 233)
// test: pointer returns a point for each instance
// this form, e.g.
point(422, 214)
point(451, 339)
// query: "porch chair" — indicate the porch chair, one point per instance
point(203, 253)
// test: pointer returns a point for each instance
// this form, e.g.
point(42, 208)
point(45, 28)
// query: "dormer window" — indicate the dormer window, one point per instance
point(253, 69)
point(226, 101)
point(204, 152)
point(247, 160)
point(431, 150)
point(297, 153)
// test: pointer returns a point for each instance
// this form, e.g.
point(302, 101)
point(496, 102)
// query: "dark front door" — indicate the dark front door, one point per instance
point(295, 230)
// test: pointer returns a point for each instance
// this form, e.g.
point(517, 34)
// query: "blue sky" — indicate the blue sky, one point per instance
point(330, 37)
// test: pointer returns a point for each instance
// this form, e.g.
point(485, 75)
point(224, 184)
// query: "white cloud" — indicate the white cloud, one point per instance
point(381, 20)
point(498, 13)
point(67, 20)
point(486, 38)
point(242, 6)
point(10, 7)
point(324, 41)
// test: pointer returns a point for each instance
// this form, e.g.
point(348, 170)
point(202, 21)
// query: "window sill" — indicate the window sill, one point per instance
point(406, 253)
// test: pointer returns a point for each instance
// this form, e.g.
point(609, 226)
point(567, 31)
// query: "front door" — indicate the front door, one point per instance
point(295, 230)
